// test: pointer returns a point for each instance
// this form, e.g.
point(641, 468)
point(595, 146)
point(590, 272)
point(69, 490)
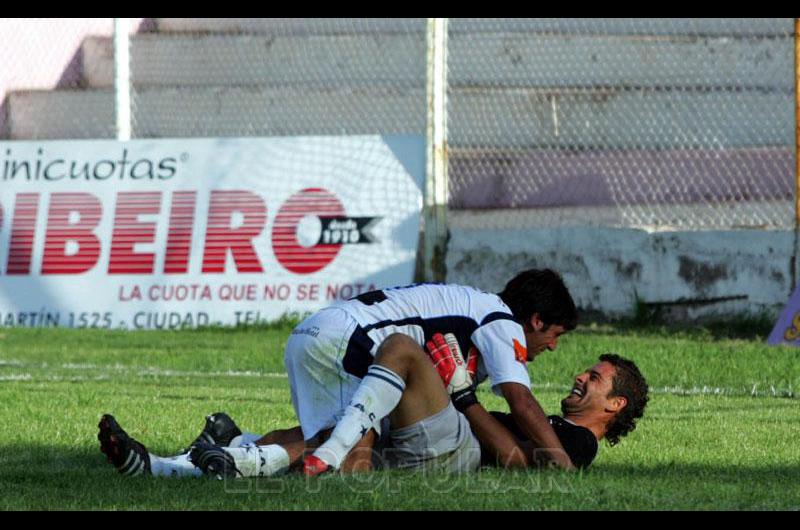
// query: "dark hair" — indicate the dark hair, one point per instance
point(540, 291)
point(629, 383)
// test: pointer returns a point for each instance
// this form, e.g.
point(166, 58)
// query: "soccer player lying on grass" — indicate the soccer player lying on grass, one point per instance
point(605, 401)
point(426, 431)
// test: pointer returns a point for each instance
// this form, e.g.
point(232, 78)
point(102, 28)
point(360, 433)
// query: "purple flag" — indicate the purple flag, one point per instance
point(787, 330)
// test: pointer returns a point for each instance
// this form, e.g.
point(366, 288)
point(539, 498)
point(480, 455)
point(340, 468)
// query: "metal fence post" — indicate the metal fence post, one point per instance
point(435, 206)
point(122, 78)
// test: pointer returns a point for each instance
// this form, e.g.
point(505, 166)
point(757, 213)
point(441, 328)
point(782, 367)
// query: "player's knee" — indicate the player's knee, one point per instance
point(398, 346)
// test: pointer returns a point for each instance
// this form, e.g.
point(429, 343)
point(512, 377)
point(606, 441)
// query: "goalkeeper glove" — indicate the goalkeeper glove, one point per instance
point(457, 375)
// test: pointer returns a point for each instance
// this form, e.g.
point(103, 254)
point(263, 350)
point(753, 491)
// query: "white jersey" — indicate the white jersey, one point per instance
point(476, 318)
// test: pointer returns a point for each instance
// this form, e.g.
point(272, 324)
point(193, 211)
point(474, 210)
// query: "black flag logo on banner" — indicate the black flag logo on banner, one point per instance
point(343, 230)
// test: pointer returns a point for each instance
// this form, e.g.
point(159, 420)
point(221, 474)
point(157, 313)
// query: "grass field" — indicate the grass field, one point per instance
point(721, 430)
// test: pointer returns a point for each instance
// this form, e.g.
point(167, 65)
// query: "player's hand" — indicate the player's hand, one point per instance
point(445, 353)
point(456, 373)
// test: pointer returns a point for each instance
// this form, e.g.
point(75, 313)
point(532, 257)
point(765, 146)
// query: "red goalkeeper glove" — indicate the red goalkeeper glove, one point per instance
point(457, 374)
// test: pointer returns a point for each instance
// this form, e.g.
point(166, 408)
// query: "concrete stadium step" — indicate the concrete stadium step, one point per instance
point(544, 178)
point(291, 26)
point(487, 59)
point(602, 26)
point(196, 60)
point(497, 118)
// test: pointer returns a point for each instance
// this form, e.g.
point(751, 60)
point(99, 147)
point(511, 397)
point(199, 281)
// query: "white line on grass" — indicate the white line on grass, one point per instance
point(145, 371)
point(230, 373)
point(10, 362)
point(16, 377)
point(705, 390)
point(152, 370)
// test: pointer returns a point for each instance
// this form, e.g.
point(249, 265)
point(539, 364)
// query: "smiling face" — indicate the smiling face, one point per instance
point(590, 394)
point(540, 337)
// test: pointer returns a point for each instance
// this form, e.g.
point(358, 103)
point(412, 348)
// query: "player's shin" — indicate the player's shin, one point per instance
point(174, 466)
point(377, 395)
point(260, 460)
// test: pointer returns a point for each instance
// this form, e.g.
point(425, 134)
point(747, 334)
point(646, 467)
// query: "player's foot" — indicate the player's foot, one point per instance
point(126, 454)
point(214, 461)
point(219, 430)
point(313, 466)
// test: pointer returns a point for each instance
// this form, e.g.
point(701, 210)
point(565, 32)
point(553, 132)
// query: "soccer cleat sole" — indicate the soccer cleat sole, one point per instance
point(128, 456)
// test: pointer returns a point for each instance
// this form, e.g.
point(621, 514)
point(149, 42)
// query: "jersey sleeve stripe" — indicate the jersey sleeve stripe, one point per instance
point(497, 315)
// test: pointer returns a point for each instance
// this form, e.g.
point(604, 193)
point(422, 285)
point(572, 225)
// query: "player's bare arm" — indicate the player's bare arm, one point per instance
point(533, 422)
point(500, 444)
point(458, 375)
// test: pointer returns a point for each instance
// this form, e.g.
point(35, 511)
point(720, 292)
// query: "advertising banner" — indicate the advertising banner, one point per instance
point(171, 233)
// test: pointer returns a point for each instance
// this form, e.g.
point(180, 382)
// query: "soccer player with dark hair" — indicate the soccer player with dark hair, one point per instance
point(604, 403)
point(330, 354)
point(542, 293)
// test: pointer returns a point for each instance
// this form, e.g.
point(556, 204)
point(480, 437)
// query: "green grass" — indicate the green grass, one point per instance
point(720, 432)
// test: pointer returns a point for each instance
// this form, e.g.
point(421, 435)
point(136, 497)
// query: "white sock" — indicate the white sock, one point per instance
point(246, 438)
point(173, 466)
point(377, 395)
point(260, 460)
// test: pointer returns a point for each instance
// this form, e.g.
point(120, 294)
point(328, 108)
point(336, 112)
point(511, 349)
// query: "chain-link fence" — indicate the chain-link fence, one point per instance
point(658, 123)
point(675, 123)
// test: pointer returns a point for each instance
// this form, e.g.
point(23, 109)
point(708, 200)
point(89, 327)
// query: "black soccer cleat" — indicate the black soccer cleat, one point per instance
point(126, 454)
point(213, 461)
point(219, 430)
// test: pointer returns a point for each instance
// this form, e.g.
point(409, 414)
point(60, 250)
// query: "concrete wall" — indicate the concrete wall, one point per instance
point(690, 274)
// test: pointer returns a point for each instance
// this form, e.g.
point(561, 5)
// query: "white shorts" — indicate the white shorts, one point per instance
point(321, 387)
